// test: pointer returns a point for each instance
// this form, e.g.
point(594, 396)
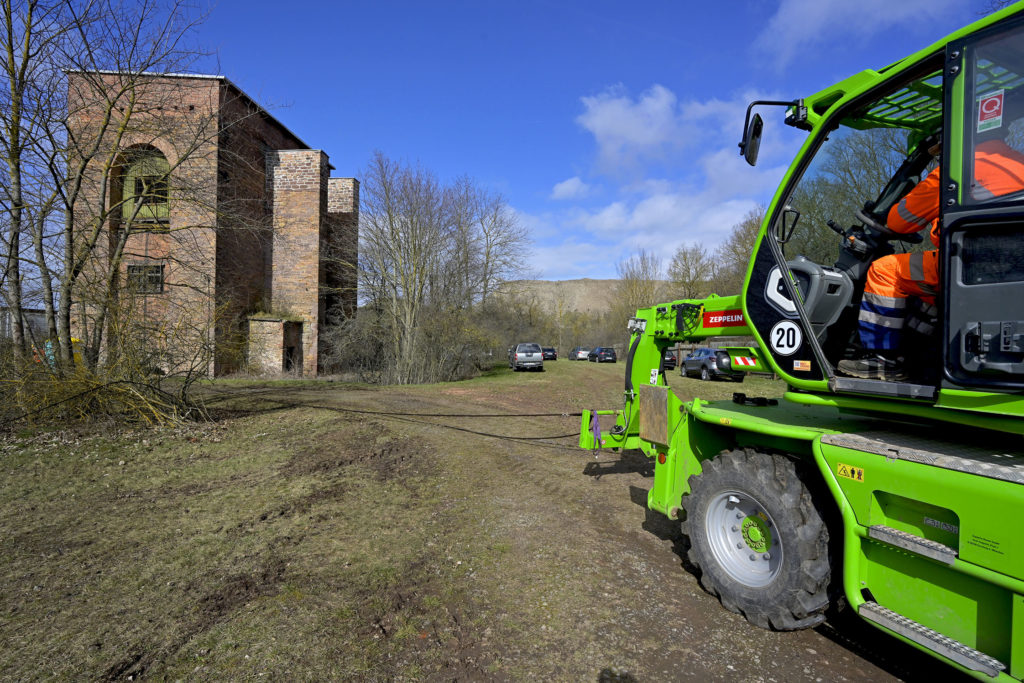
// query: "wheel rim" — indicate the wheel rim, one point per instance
point(704, 373)
point(744, 538)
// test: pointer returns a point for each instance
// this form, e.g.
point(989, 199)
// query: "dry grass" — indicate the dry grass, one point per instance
point(294, 540)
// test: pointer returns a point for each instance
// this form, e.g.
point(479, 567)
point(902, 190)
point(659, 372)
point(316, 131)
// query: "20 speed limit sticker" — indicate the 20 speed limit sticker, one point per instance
point(786, 337)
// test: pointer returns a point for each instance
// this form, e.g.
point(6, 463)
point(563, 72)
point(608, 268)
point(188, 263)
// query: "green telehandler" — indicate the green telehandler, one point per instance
point(901, 498)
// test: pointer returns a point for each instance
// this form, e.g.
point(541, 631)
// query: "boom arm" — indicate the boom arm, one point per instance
point(652, 331)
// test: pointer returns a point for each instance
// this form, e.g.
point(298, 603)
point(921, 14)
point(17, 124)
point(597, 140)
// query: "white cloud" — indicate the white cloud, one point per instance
point(698, 196)
point(802, 24)
point(628, 130)
point(631, 133)
point(572, 188)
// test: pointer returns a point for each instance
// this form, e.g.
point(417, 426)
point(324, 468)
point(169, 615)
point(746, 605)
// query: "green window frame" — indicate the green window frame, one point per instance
point(146, 191)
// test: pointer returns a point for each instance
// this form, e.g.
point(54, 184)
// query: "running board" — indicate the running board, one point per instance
point(878, 387)
point(965, 656)
point(915, 544)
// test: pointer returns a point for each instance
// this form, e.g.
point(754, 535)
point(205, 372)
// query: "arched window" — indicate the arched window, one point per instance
point(144, 185)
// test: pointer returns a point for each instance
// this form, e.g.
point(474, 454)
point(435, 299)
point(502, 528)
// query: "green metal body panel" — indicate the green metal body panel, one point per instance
point(976, 601)
point(970, 589)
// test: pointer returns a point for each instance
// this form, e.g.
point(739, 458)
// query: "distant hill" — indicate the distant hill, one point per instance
point(584, 295)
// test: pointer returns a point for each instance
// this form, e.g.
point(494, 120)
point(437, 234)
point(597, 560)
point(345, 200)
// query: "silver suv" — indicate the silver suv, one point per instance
point(526, 356)
point(708, 364)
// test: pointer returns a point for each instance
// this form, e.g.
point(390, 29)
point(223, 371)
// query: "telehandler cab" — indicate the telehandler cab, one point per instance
point(901, 497)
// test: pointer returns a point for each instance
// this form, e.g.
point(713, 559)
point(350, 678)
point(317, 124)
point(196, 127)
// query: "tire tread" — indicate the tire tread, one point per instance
point(802, 601)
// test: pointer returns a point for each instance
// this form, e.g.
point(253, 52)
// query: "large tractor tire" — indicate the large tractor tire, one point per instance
point(759, 539)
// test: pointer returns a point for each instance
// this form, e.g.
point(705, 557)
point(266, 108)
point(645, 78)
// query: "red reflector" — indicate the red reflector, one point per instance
point(661, 458)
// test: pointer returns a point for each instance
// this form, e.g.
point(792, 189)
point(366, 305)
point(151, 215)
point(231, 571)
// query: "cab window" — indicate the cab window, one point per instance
point(994, 140)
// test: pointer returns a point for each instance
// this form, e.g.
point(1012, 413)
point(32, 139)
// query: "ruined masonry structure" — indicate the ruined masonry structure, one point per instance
point(251, 243)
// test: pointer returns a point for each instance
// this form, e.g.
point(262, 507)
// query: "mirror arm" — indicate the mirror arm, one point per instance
point(750, 108)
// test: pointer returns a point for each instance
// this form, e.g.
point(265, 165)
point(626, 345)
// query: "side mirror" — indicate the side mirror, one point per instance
point(785, 227)
point(752, 139)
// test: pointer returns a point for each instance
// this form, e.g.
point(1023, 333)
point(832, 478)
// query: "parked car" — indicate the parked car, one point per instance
point(670, 359)
point(579, 353)
point(549, 353)
point(710, 363)
point(526, 356)
point(603, 354)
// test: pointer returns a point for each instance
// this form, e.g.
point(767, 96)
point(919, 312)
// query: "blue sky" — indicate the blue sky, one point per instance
point(607, 126)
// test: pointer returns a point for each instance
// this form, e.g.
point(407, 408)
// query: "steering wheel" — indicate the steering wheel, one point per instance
point(869, 221)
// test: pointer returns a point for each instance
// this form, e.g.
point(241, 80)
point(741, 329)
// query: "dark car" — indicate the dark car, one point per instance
point(550, 353)
point(526, 356)
point(709, 363)
point(669, 359)
point(602, 354)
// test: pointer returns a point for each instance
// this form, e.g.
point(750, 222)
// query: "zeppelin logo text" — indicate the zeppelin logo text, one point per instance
point(724, 318)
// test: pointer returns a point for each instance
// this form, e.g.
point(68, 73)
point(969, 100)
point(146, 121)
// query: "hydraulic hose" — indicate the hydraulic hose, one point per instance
point(629, 365)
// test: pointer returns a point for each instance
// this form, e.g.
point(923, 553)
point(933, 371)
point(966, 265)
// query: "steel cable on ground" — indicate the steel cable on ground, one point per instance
point(405, 417)
point(240, 394)
point(401, 416)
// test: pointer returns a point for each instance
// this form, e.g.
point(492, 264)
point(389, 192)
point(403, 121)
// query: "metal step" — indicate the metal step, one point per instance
point(915, 544)
point(963, 655)
point(999, 457)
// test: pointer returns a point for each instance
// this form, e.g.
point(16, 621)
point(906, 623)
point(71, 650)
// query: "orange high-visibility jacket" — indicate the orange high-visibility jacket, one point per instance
point(998, 170)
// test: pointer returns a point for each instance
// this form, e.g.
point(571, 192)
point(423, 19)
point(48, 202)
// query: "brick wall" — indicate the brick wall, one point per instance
point(177, 118)
point(244, 216)
point(298, 181)
point(254, 222)
point(340, 249)
point(266, 345)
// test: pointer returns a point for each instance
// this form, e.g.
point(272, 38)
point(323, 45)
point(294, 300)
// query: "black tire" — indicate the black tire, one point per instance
point(787, 594)
point(704, 374)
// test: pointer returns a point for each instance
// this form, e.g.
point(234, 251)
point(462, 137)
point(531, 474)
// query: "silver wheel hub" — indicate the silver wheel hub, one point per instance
point(743, 538)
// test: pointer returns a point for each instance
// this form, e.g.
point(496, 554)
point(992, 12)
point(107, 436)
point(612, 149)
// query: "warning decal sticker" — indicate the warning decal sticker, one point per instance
point(990, 111)
point(850, 472)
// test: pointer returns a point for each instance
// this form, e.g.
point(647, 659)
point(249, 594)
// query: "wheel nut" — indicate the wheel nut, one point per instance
point(739, 515)
point(766, 556)
point(753, 556)
point(735, 528)
point(740, 546)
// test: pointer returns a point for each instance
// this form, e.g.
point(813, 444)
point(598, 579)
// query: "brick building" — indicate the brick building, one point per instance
point(219, 226)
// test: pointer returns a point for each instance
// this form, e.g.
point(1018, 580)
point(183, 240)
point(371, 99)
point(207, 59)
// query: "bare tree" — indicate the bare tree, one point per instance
point(733, 256)
point(80, 93)
point(431, 258)
point(639, 284)
point(96, 140)
point(690, 271)
point(504, 245)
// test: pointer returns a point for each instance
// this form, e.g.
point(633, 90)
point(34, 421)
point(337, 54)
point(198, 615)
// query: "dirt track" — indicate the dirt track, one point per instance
point(390, 549)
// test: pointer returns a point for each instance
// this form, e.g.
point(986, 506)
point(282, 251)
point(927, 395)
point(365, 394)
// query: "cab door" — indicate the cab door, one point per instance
point(983, 211)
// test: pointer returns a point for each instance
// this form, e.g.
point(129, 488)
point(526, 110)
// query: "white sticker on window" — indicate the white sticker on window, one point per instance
point(654, 376)
point(990, 111)
point(786, 337)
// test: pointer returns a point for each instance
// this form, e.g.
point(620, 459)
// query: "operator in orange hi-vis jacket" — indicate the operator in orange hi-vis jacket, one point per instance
point(893, 279)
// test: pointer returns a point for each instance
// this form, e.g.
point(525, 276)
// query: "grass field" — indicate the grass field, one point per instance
point(293, 538)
